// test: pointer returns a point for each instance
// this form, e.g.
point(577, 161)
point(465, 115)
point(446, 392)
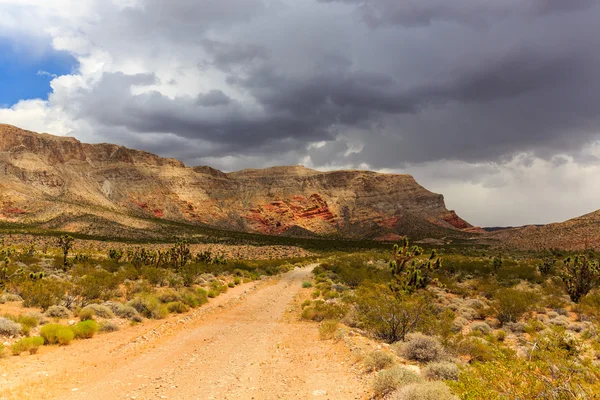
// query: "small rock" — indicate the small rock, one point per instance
point(319, 392)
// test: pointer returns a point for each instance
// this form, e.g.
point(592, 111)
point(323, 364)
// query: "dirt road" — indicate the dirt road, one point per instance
point(246, 344)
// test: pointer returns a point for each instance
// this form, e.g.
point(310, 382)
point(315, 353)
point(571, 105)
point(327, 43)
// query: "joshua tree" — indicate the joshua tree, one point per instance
point(497, 263)
point(409, 274)
point(65, 242)
point(546, 266)
point(580, 275)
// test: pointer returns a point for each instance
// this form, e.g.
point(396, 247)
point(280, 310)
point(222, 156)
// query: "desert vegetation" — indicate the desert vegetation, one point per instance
point(79, 292)
point(468, 323)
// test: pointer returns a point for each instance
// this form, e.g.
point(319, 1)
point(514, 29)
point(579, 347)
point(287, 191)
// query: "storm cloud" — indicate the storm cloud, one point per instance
point(399, 86)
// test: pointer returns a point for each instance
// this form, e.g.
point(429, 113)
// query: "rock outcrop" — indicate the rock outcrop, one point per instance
point(54, 181)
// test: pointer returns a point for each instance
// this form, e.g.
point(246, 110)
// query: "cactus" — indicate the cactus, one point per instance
point(408, 274)
point(580, 275)
point(497, 263)
point(546, 266)
point(115, 255)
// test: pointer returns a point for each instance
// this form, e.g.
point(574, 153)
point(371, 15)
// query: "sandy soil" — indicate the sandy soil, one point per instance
point(246, 344)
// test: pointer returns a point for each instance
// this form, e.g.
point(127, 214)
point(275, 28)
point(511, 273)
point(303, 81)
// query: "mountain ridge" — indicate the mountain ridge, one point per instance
point(47, 178)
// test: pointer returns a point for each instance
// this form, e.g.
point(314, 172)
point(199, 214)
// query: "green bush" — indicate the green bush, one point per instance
point(321, 310)
point(43, 293)
point(378, 360)
point(307, 284)
point(57, 334)
point(328, 328)
point(394, 378)
point(27, 322)
point(389, 317)
point(511, 304)
point(30, 344)
point(178, 307)
point(201, 296)
point(149, 306)
point(168, 296)
point(424, 391)
point(86, 329)
point(86, 314)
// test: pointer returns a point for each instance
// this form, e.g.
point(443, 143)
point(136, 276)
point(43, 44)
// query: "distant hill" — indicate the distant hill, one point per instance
point(104, 189)
point(575, 234)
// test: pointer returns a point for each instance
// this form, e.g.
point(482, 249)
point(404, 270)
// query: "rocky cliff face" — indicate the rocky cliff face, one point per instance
point(56, 180)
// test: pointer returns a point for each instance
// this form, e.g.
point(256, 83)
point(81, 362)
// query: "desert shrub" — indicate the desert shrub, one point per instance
point(121, 310)
point(37, 316)
point(9, 327)
point(389, 317)
point(458, 323)
point(441, 371)
point(43, 293)
point(177, 307)
point(96, 285)
point(424, 391)
point(149, 306)
point(468, 313)
point(473, 348)
point(201, 296)
point(86, 314)
point(231, 285)
point(511, 304)
point(378, 360)
point(480, 327)
point(394, 378)
point(108, 326)
point(321, 310)
point(168, 296)
point(155, 276)
point(86, 329)
point(419, 347)
point(328, 328)
point(30, 344)
point(501, 335)
point(237, 281)
point(515, 327)
point(10, 297)
point(57, 334)
point(307, 284)
point(27, 322)
point(551, 377)
point(589, 306)
point(58, 312)
point(99, 310)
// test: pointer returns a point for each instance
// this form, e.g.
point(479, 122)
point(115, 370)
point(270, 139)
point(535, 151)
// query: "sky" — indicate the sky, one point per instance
point(495, 104)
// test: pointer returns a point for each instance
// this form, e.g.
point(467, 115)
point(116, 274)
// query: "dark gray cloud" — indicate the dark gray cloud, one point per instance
point(471, 12)
point(487, 88)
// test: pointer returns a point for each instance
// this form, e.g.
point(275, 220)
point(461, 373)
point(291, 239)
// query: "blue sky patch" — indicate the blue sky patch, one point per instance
point(25, 74)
